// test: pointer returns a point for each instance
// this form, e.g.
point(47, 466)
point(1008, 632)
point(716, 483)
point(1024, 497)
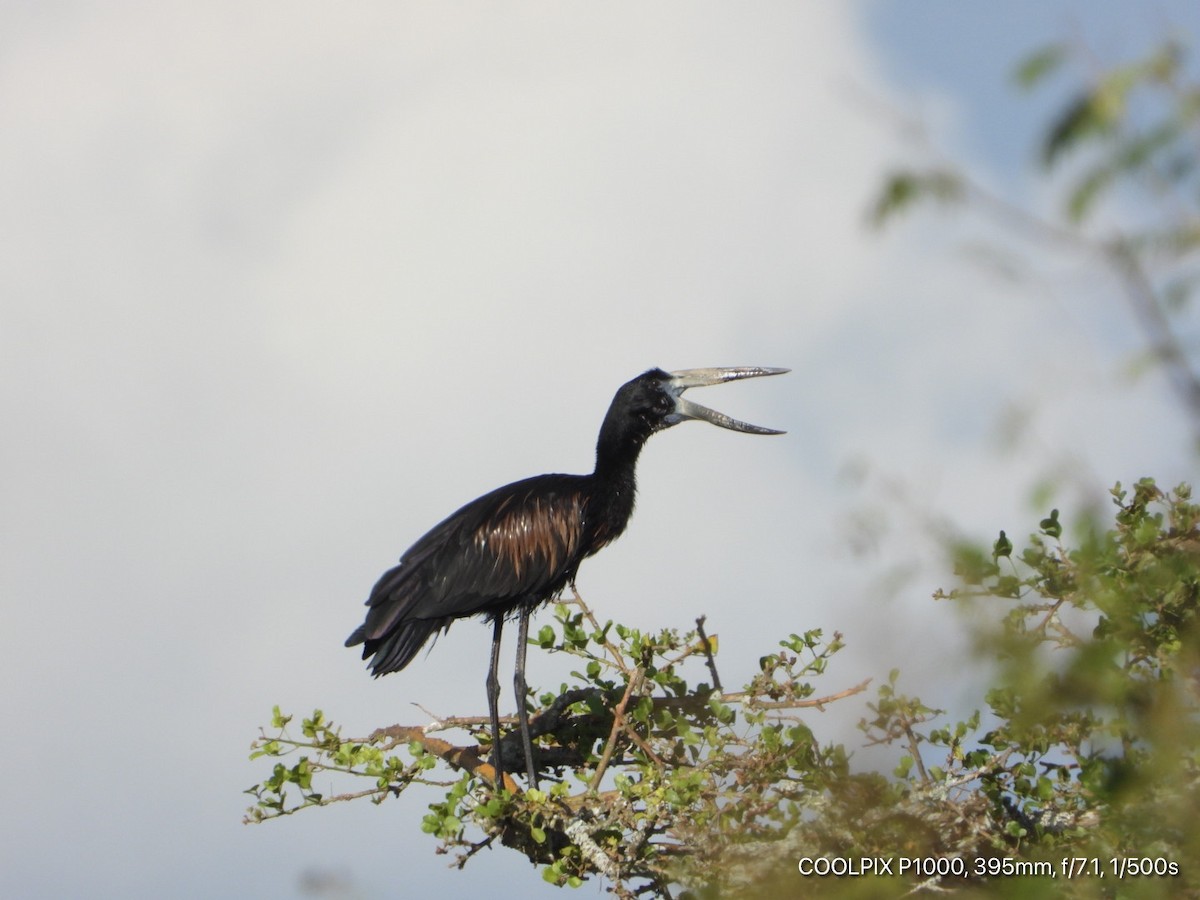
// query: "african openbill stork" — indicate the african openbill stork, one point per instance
point(511, 550)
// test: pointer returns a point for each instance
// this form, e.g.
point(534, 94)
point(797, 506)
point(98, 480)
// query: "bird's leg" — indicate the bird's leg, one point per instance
point(522, 690)
point(493, 695)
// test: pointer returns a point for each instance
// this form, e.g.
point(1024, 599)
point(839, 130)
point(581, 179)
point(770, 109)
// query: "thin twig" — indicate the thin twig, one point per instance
point(811, 703)
point(618, 720)
point(445, 723)
point(475, 848)
point(618, 657)
point(708, 654)
point(644, 747)
point(914, 749)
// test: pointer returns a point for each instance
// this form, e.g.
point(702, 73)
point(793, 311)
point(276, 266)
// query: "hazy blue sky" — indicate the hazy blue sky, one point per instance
point(285, 283)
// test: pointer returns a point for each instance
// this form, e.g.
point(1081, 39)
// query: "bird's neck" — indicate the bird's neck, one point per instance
point(615, 478)
point(618, 447)
point(614, 475)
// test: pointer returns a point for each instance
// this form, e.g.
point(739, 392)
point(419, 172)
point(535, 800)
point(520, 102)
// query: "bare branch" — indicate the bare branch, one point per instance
point(634, 684)
point(809, 703)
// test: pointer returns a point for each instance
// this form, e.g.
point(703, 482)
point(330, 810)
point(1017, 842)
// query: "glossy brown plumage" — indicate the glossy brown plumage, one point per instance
point(516, 546)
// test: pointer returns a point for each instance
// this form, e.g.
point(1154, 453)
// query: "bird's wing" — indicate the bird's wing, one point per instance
point(521, 541)
point(527, 540)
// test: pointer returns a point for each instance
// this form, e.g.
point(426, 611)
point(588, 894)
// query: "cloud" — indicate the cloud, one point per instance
point(285, 284)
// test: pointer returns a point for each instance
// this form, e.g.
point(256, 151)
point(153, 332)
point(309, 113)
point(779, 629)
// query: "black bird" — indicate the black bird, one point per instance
point(519, 546)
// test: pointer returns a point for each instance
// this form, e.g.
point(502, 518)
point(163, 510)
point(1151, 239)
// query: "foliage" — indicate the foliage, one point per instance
point(1121, 151)
point(1078, 777)
point(1088, 750)
point(650, 766)
point(1091, 748)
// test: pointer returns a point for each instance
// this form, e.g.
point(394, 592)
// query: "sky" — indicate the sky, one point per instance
point(284, 284)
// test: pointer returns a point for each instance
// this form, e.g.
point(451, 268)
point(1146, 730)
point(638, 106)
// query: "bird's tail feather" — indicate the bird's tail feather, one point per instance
point(395, 650)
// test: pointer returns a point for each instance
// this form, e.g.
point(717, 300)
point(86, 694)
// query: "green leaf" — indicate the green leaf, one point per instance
point(1035, 67)
point(971, 565)
point(903, 189)
point(1081, 200)
point(1090, 114)
point(1002, 547)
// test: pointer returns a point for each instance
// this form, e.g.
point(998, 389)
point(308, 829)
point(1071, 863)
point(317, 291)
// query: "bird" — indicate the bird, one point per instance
point(510, 551)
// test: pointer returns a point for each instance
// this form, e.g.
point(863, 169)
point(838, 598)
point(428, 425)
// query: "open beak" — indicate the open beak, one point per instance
point(690, 378)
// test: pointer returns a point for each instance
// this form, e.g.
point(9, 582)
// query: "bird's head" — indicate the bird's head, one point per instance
point(654, 400)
